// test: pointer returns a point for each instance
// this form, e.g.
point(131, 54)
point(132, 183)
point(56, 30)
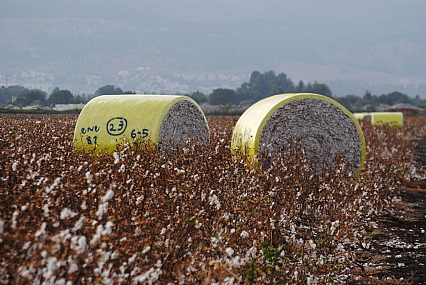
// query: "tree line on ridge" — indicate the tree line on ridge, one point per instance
point(260, 86)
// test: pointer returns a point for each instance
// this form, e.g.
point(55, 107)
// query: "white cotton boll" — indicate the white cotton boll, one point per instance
point(229, 251)
point(102, 209)
point(73, 268)
point(74, 241)
point(62, 236)
point(67, 213)
point(244, 234)
point(213, 200)
point(191, 269)
point(108, 228)
point(132, 259)
point(296, 275)
point(251, 253)
point(60, 281)
point(236, 261)
point(228, 280)
point(340, 247)
point(114, 255)
point(163, 231)
point(40, 181)
point(51, 267)
point(116, 158)
point(42, 230)
point(1, 226)
point(78, 224)
point(51, 187)
point(143, 277)
point(14, 216)
point(24, 272)
point(82, 245)
point(334, 226)
point(108, 196)
point(312, 280)
point(146, 249)
point(43, 254)
point(107, 281)
point(83, 205)
point(122, 168)
point(97, 235)
point(88, 177)
point(14, 165)
point(198, 224)
point(179, 171)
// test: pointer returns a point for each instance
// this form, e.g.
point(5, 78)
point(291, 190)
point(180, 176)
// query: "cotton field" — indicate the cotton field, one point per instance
point(191, 215)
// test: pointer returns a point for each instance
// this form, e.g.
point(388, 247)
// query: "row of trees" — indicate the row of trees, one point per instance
point(369, 102)
point(260, 85)
point(267, 84)
point(27, 97)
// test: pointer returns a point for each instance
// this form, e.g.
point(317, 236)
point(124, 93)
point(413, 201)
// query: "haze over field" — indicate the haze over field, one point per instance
point(181, 46)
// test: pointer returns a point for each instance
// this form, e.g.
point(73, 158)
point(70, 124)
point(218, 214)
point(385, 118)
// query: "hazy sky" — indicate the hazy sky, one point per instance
point(351, 45)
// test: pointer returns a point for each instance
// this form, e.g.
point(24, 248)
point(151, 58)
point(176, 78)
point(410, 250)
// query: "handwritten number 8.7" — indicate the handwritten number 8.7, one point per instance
point(90, 141)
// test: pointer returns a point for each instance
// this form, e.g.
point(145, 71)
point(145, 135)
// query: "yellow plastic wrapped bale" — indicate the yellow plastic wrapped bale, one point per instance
point(111, 120)
point(382, 118)
point(318, 124)
point(360, 116)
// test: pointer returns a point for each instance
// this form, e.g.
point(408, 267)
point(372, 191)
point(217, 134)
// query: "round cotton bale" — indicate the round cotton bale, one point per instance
point(319, 125)
point(111, 120)
point(392, 119)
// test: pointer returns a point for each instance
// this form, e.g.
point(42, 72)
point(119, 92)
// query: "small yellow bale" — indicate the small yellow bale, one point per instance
point(318, 124)
point(382, 118)
point(111, 120)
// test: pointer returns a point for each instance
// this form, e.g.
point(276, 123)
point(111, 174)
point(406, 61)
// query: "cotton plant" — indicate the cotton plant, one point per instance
point(139, 217)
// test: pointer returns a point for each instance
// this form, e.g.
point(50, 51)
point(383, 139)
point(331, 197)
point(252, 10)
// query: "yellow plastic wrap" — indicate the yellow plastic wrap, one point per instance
point(383, 118)
point(109, 120)
point(360, 116)
point(247, 131)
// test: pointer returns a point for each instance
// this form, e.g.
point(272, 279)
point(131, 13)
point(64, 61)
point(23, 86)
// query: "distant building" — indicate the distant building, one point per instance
point(400, 107)
point(35, 107)
point(404, 107)
point(65, 107)
point(7, 106)
point(383, 107)
point(31, 107)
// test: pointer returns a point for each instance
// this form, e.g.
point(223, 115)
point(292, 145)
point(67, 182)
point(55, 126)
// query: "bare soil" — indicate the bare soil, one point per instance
point(399, 243)
point(398, 251)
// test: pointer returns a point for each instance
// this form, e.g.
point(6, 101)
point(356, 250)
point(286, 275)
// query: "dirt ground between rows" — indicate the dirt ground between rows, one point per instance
point(399, 242)
point(398, 251)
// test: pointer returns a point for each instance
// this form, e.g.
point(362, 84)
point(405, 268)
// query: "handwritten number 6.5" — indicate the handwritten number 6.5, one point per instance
point(143, 134)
